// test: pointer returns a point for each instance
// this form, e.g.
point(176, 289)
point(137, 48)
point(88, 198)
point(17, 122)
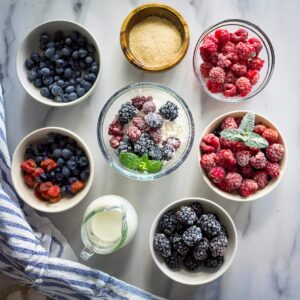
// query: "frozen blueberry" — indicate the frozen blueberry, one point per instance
point(38, 159)
point(86, 85)
point(60, 162)
point(77, 74)
point(59, 177)
point(61, 82)
point(89, 60)
point(59, 70)
point(51, 45)
point(56, 90)
point(47, 80)
point(51, 175)
point(56, 77)
point(94, 69)
point(50, 52)
point(59, 98)
point(66, 98)
point(66, 171)
point(68, 73)
point(68, 41)
point(82, 53)
point(71, 164)
point(72, 96)
point(84, 175)
point(66, 153)
point(43, 64)
point(54, 58)
point(44, 38)
point(83, 161)
point(29, 63)
point(60, 62)
point(35, 57)
point(45, 92)
point(45, 71)
point(90, 77)
point(65, 51)
point(38, 83)
point(75, 54)
point(80, 91)
point(57, 153)
point(32, 75)
point(70, 89)
point(74, 35)
point(79, 152)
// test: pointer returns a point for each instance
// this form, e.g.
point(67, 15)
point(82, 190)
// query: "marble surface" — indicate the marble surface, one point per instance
point(267, 265)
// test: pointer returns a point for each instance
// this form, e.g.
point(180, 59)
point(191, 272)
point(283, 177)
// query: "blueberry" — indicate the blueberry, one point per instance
point(86, 85)
point(58, 36)
point(43, 177)
point(79, 152)
point(81, 41)
point(60, 62)
point(56, 78)
point(90, 48)
point(35, 57)
point(47, 80)
point(66, 172)
point(51, 45)
point(80, 91)
point(66, 98)
point(66, 190)
point(44, 38)
point(70, 89)
point(50, 138)
point(72, 148)
point(75, 172)
point(59, 70)
point(72, 81)
point(61, 82)
point(54, 58)
point(82, 53)
point(75, 54)
point(72, 96)
point(73, 157)
point(84, 175)
point(45, 92)
point(32, 75)
point(89, 60)
point(60, 162)
point(59, 177)
point(38, 83)
point(43, 64)
point(74, 35)
point(94, 69)
point(45, 71)
point(68, 73)
point(56, 90)
point(83, 161)
point(50, 52)
point(57, 153)
point(65, 52)
point(72, 179)
point(68, 41)
point(66, 153)
point(77, 74)
point(82, 64)
point(71, 164)
point(90, 77)
point(29, 63)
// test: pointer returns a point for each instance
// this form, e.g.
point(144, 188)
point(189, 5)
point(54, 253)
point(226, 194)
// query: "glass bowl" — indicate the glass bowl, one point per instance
point(160, 94)
point(267, 54)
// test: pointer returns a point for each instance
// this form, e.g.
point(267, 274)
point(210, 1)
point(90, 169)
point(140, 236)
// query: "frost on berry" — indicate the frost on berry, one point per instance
point(271, 135)
point(223, 61)
point(258, 161)
point(115, 128)
point(216, 174)
point(228, 48)
point(139, 101)
point(230, 77)
point(217, 75)
point(248, 187)
point(115, 141)
point(241, 35)
point(140, 123)
point(222, 35)
point(239, 69)
point(229, 90)
point(256, 43)
point(133, 133)
point(275, 152)
point(156, 135)
point(273, 169)
point(247, 171)
point(259, 129)
point(205, 69)
point(261, 178)
point(243, 51)
point(253, 76)
point(214, 87)
point(209, 143)
point(206, 49)
point(225, 158)
point(229, 122)
point(148, 107)
point(232, 181)
point(243, 86)
point(242, 157)
point(208, 161)
point(256, 63)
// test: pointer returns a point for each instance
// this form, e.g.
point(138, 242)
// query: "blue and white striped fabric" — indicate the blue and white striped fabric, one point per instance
point(34, 252)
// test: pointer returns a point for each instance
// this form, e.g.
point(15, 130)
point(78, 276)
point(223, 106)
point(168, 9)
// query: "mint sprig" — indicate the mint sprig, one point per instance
point(245, 133)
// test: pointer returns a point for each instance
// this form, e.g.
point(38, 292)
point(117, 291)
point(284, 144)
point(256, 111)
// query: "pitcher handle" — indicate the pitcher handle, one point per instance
point(86, 253)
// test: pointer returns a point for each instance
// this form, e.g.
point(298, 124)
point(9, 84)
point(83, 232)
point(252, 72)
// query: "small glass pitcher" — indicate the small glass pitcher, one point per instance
point(109, 223)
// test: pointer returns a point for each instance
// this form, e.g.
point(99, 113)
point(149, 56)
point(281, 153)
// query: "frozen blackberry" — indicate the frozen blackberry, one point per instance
point(125, 146)
point(126, 112)
point(144, 144)
point(168, 152)
point(213, 262)
point(200, 251)
point(162, 245)
point(174, 261)
point(209, 225)
point(190, 262)
point(155, 153)
point(192, 236)
point(169, 111)
point(168, 223)
point(154, 120)
point(223, 231)
point(186, 215)
point(217, 131)
point(197, 208)
point(218, 245)
point(179, 245)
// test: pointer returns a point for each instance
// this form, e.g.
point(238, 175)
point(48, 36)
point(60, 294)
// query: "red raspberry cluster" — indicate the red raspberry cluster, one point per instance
point(231, 62)
point(236, 168)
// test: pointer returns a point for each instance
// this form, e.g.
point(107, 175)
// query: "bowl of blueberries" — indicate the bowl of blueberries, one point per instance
point(58, 63)
point(52, 169)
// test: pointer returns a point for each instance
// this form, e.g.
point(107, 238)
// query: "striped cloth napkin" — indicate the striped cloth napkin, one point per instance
point(34, 252)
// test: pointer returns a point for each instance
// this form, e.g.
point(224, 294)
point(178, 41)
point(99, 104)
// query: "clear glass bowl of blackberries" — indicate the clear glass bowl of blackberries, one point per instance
point(58, 63)
point(193, 241)
point(145, 131)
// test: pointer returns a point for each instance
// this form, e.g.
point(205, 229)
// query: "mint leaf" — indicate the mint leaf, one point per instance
point(144, 157)
point(247, 123)
point(256, 141)
point(154, 166)
point(129, 160)
point(232, 135)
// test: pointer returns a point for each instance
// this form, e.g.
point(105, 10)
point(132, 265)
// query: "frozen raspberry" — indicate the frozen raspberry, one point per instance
point(208, 161)
point(253, 76)
point(205, 69)
point(45, 186)
point(139, 101)
point(256, 43)
point(214, 87)
point(216, 174)
point(271, 135)
point(232, 181)
point(206, 49)
point(229, 122)
point(115, 128)
point(248, 187)
point(148, 107)
point(238, 120)
point(133, 133)
point(273, 169)
point(247, 171)
point(77, 186)
point(244, 86)
point(253, 151)
point(261, 178)
point(54, 199)
point(140, 123)
point(256, 63)
point(174, 142)
point(29, 180)
point(214, 58)
point(223, 61)
point(37, 172)
point(258, 161)
point(211, 38)
point(275, 152)
point(48, 164)
point(239, 69)
point(222, 35)
point(232, 57)
point(225, 158)
point(53, 191)
point(244, 51)
point(28, 166)
point(230, 77)
point(229, 90)
point(115, 141)
point(217, 75)
point(226, 144)
point(228, 48)
point(156, 135)
point(210, 143)
point(242, 157)
point(238, 146)
point(240, 35)
point(259, 129)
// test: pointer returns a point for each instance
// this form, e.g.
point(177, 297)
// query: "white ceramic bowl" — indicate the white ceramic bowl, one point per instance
point(31, 44)
point(272, 183)
point(202, 275)
point(26, 193)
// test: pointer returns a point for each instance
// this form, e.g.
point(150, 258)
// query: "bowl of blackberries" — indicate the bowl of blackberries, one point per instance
point(193, 241)
point(58, 63)
point(52, 169)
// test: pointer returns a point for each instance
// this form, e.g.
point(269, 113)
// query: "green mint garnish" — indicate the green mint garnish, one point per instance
point(129, 160)
point(245, 133)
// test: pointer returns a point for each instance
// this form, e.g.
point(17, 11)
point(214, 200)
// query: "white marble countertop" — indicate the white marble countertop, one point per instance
point(267, 265)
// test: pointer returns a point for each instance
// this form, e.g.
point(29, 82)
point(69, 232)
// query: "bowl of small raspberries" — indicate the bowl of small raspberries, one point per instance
point(193, 241)
point(242, 156)
point(52, 169)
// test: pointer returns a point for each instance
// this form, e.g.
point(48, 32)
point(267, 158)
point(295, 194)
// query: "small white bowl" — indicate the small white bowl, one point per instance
point(202, 275)
point(272, 183)
point(26, 193)
point(31, 44)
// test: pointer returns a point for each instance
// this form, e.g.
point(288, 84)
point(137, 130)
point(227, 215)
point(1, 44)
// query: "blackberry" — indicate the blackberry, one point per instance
point(197, 208)
point(168, 152)
point(169, 111)
point(144, 144)
point(217, 131)
point(126, 112)
point(168, 223)
point(213, 262)
point(200, 251)
point(155, 153)
point(192, 236)
point(209, 225)
point(179, 245)
point(162, 245)
point(186, 215)
point(218, 245)
point(174, 261)
point(154, 120)
point(190, 263)
point(223, 231)
point(125, 146)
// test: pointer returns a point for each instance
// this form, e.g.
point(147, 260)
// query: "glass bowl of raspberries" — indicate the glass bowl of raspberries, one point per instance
point(242, 156)
point(52, 169)
point(193, 241)
point(145, 131)
point(233, 60)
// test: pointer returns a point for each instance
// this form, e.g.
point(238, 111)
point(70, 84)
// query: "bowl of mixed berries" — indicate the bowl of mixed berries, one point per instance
point(233, 60)
point(145, 131)
point(52, 169)
point(193, 241)
point(242, 156)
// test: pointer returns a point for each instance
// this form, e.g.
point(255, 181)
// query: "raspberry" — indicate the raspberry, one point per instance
point(29, 180)
point(229, 48)
point(208, 161)
point(174, 142)
point(138, 101)
point(273, 169)
point(256, 43)
point(258, 161)
point(247, 171)
point(28, 166)
point(226, 144)
point(214, 58)
point(115, 128)
point(230, 77)
point(261, 178)
point(253, 76)
point(214, 87)
point(211, 38)
point(222, 35)
point(238, 146)
point(218, 245)
point(148, 107)
point(205, 69)
point(232, 57)
point(48, 164)
point(77, 186)
point(240, 35)
point(54, 199)
point(256, 63)
point(133, 133)
point(244, 51)
point(38, 194)
point(229, 122)
point(253, 151)
point(210, 143)
point(248, 187)
point(229, 90)
point(242, 157)
point(37, 172)
point(54, 191)
point(217, 75)
point(225, 158)
point(238, 120)
point(232, 181)
point(186, 216)
point(115, 141)
point(156, 135)
point(206, 49)
point(243, 85)
point(271, 135)
point(239, 69)
point(275, 152)
point(223, 61)
point(259, 129)
point(216, 174)
point(140, 123)
point(45, 186)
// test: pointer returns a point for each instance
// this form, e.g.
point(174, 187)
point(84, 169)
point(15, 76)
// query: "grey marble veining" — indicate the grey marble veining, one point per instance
point(267, 265)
